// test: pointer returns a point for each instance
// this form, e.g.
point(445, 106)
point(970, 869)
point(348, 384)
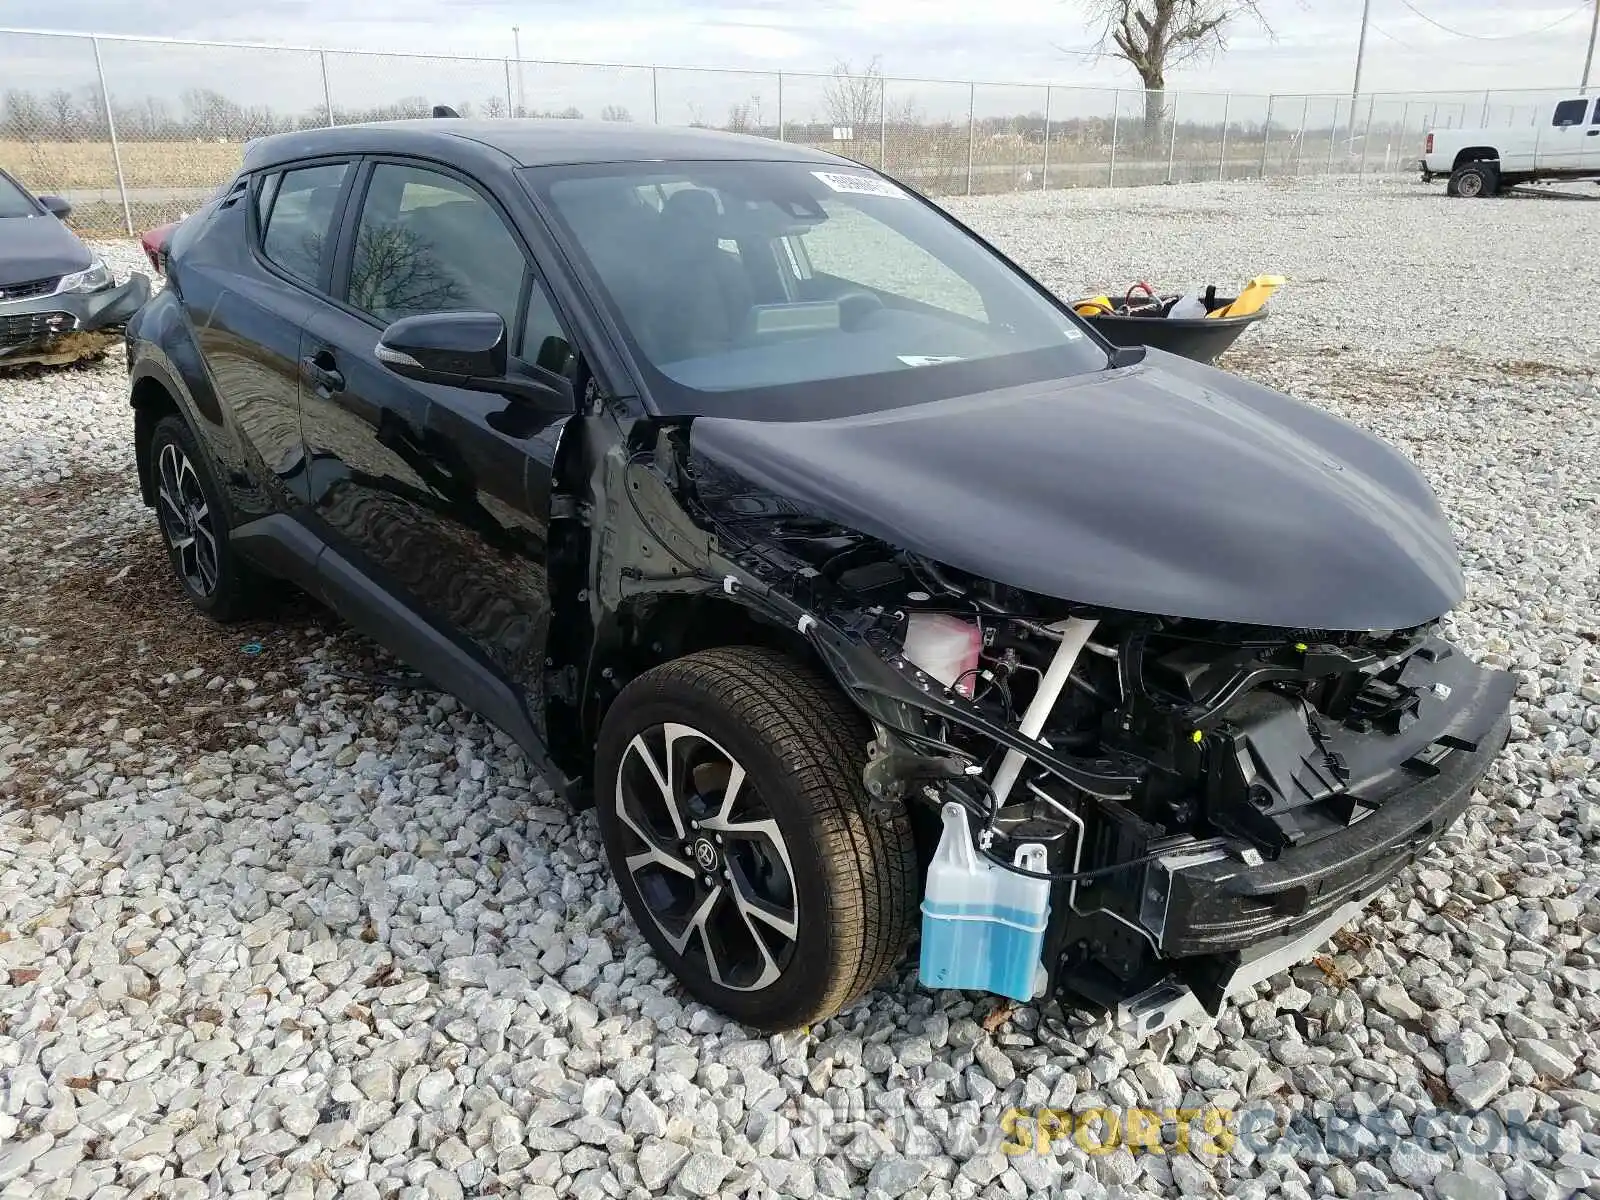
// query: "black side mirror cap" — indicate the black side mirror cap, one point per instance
point(446, 347)
point(1127, 356)
point(458, 349)
point(56, 206)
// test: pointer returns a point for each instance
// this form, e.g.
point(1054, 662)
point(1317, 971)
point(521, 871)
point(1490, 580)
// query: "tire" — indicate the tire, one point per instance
point(786, 903)
point(193, 521)
point(1474, 180)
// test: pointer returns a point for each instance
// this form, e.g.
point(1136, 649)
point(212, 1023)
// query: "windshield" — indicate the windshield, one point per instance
point(14, 202)
point(791, 290)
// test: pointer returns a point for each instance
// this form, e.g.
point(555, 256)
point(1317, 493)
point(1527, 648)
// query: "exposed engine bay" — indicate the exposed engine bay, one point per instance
point(1210, 795)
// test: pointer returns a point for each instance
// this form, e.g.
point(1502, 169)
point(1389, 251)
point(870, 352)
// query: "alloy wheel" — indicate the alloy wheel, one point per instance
point(707, 857)
point(186, 520)
point(1471, 185)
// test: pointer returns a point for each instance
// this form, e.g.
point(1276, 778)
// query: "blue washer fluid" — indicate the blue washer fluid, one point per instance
point(983, 925)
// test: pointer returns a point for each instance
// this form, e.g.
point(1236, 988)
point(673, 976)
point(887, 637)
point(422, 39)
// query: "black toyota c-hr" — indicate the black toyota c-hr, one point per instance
point(772, 511)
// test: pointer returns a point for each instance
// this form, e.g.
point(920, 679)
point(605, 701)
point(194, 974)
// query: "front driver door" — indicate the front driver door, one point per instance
point(439, 496)
point(1562, 146)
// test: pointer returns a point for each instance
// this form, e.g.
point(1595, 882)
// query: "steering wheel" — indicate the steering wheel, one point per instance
point(856, 308)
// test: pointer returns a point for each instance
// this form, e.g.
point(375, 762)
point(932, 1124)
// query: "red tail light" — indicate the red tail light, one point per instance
point(154, 242)
point(1428, 149)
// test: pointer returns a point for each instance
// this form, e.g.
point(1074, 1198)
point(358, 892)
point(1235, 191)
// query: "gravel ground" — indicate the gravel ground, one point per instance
point(274, 919)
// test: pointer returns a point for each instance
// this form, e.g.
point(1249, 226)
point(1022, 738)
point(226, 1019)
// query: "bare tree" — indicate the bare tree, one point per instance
point(1155, 36)
point(615, 112)
point(745, 117)
point(854, 99)
point(64, 114)
point(494, 106)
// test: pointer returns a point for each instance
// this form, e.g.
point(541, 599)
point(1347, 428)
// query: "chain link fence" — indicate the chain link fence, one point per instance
point(138, 131)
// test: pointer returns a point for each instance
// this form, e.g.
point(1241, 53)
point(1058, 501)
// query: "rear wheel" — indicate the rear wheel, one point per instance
point(730, 800)
point(194, 525)
point(1473, 180)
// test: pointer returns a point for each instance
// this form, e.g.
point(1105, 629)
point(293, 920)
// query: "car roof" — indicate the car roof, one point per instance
point(531, 142)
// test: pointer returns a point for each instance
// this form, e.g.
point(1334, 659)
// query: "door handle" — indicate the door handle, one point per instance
point(320, 370)
point(1594, 133)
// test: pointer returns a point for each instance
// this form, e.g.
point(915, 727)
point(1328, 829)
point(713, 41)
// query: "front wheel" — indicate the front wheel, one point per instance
point(730, 800)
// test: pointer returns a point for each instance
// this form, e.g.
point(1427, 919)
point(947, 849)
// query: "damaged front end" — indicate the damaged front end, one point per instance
point(1213, 799)
point(51, 322)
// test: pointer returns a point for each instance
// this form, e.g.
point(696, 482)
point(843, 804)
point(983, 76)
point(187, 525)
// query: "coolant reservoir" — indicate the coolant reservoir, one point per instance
point(982, 925)
point(945, 647)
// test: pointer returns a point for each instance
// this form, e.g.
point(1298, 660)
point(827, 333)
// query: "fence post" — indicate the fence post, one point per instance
point(111, 129)
point(510, 105)
point(1485, 119)
point(1044, 175)
point(883, 126)
point(655, 98)
point(1116, 116)
point(1266, 135)
point(972, 129)
point(1227, 107)
point(1300, 138)
point(327, 91)
point(1366, 136)
point(1333, 135)
point(1172, 140)
point(780, 106)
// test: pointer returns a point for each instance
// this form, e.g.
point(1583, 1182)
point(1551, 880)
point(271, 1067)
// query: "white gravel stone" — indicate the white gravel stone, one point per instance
point(659, 1161)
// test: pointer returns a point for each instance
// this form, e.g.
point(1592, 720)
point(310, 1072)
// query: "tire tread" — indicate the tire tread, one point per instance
point(802, 716)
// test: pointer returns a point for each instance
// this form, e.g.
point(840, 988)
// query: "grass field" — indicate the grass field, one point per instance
point(63, 166)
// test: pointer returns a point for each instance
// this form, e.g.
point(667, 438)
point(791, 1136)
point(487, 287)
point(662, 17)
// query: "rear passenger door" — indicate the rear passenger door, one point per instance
point(438, 495)
point(249, 280)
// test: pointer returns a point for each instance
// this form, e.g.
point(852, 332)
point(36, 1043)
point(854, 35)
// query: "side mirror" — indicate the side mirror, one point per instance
point(56, 206)
point(458, 349)
point(448, 348)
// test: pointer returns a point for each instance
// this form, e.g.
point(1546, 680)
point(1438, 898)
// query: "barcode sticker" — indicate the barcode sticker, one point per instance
point(859, 185)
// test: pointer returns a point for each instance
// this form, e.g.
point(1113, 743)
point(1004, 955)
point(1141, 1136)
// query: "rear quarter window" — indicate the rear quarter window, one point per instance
point(295, 215)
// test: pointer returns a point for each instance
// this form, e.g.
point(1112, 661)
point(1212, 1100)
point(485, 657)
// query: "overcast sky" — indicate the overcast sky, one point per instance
point(1015, 40)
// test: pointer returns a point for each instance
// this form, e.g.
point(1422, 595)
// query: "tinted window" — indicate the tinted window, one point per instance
point(296, 234)
point(13, 201)
point(429, 243)
point(544, 340)
point(1597, 114)
point(1570, 112)
point(264, 197)
point(784, 291)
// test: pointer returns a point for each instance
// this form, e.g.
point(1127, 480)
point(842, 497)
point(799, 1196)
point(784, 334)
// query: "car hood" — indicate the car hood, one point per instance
point(1167, 488)
point(37, 248)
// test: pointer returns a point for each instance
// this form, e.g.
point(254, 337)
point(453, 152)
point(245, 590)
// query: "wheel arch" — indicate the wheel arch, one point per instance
point(1472, 154)
point(151, 398)
point(654, 628)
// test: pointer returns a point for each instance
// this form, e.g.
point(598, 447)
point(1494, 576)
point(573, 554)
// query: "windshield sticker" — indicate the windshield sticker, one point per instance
point(859, 185)
point(927, 360)
point(1072, 335)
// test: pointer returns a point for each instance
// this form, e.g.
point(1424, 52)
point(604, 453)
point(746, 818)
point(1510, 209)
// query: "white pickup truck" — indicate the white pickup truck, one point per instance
point(1562, 144)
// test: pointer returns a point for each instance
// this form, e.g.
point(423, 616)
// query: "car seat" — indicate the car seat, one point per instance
point(702, 300)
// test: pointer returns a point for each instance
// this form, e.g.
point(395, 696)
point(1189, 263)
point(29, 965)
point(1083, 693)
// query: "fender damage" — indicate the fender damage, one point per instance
point(1227, 751)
